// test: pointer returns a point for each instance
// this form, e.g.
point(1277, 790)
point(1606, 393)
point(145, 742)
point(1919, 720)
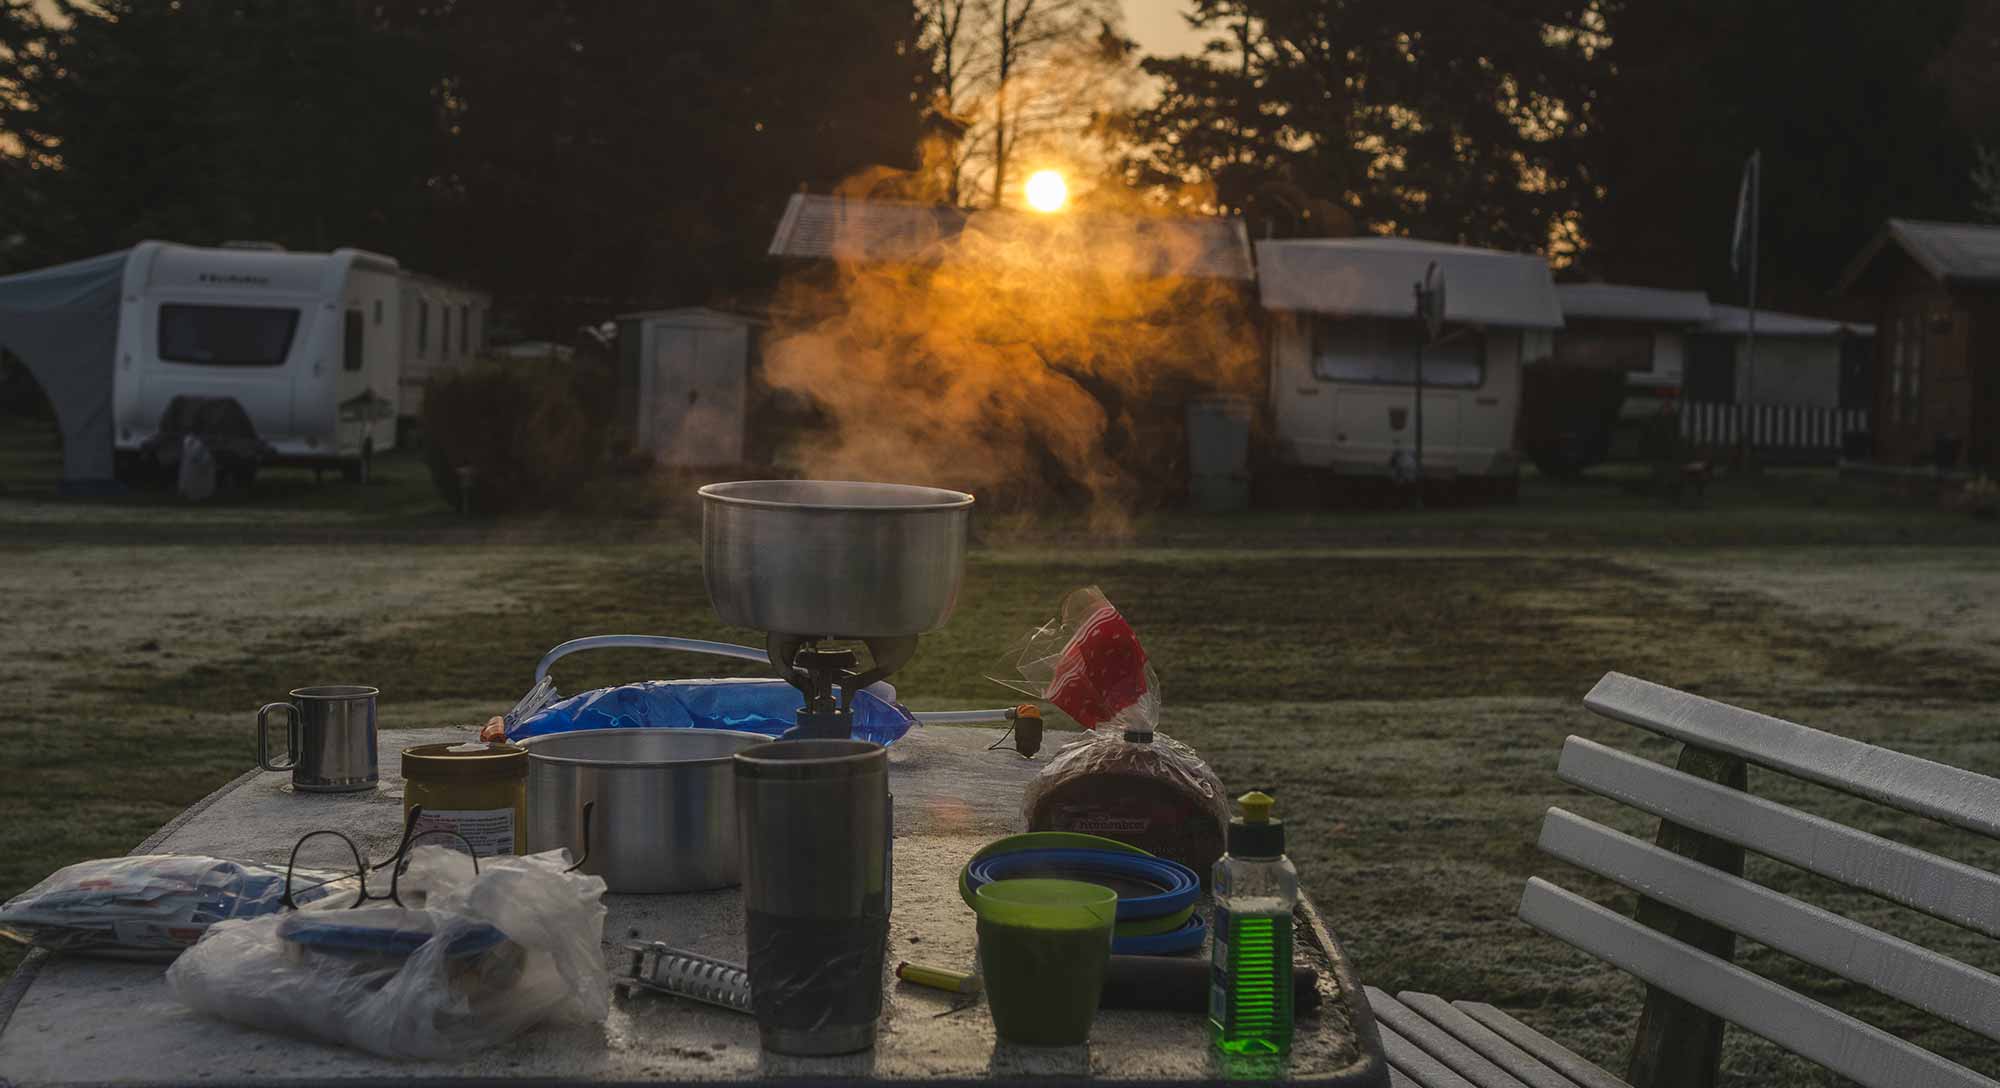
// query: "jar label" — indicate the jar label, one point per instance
point(489, 830)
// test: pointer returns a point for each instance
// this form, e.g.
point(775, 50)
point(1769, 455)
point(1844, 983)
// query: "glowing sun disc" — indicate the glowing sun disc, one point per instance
point(1046, 191)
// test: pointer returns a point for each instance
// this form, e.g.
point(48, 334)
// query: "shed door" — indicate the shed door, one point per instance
point(697, 395)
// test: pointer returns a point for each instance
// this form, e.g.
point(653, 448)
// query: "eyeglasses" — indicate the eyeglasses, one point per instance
point(397, 863)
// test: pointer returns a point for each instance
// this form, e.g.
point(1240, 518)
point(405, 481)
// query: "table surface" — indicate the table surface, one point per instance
point(77, 1020)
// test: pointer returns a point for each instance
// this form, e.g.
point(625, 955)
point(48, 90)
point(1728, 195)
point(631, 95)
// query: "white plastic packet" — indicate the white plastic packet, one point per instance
point(152, 905)
point(471, 963)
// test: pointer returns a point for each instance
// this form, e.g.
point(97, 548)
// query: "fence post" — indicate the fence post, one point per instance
point(1679, 1045)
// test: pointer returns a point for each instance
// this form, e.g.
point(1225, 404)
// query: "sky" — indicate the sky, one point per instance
point(1158, 27)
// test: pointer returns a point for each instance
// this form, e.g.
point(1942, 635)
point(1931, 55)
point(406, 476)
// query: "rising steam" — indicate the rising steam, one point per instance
point(1035, 360)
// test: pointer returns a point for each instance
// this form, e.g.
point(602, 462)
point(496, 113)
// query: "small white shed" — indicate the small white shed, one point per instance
point(688, 373)
point(1344, 342)
point(1798, 359)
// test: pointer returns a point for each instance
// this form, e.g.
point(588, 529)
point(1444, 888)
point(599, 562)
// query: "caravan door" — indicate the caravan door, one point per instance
point(1370, 368)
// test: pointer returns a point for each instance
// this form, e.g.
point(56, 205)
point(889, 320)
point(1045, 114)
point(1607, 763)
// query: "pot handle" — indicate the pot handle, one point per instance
point(589, 807)
point(658, 642)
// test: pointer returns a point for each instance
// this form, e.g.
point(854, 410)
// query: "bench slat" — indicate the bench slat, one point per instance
point(1957, 797)
point(1438, 1043)
point(1517, 1062)
point(1546, 1050)
point(1889, 965)
point(1940, 887)
point(1417, 1065)
point(1801, 1025)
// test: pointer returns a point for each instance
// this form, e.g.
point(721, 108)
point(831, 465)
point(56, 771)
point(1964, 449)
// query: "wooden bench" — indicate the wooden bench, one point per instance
point(1694, 901)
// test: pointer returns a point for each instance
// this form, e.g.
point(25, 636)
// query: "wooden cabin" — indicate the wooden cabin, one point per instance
point(1936, 289)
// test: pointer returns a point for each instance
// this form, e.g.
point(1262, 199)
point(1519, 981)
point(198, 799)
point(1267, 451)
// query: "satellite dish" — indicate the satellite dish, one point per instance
point(1432, 303)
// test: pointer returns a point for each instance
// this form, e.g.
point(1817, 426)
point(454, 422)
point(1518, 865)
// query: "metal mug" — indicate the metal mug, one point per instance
point(329, 738)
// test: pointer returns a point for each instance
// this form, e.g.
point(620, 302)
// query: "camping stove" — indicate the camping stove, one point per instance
point(818, 563)
point(818, 670)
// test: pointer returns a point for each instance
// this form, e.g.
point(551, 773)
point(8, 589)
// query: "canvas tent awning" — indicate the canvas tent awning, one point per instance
point(1373, 277)
point(62, 322)
point(1625, 302)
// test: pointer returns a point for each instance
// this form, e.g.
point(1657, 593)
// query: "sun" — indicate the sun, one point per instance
point(1046, 191)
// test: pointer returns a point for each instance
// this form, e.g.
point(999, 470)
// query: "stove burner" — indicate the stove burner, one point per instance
point(817, 670)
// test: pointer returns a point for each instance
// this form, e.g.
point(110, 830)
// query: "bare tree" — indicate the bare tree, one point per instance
point(1025, 76)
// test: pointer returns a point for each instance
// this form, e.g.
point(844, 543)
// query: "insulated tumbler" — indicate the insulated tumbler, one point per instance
point(813, 829)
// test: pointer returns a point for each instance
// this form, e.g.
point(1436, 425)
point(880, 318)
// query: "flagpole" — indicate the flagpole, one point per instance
point(1750, 338)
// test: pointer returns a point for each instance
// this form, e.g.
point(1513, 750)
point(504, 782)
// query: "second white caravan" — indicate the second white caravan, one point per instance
point(1344, 346)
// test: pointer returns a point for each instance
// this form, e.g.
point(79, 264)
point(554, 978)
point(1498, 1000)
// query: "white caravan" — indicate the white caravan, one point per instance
point(310, 345)
point(1344, 343)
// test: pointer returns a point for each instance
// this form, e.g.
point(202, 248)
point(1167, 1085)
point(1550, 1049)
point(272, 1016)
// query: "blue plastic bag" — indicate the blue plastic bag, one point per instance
point(752, 706)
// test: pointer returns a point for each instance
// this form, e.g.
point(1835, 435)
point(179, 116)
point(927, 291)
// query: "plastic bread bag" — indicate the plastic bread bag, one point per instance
point(1124, 780)
point(150, 905)
point(483, 959)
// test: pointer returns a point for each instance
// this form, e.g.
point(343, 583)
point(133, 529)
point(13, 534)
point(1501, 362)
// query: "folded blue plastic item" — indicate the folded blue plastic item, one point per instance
point(753, 706)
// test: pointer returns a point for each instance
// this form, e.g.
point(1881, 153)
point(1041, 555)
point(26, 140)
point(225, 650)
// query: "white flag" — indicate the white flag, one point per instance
point(1739, 242)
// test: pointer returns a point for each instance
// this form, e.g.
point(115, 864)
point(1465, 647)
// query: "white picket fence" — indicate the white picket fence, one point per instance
point(1770, 426)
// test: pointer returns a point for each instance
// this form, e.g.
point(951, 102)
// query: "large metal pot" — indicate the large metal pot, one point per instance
point(826, 558)
point(649, 810)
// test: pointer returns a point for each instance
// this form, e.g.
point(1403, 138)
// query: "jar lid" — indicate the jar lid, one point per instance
point(472, 760)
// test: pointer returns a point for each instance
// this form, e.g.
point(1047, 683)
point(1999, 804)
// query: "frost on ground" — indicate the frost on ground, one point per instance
point(1931, 598)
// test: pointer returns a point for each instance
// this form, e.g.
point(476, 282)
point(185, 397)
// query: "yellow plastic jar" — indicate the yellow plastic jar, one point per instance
point(476, 790)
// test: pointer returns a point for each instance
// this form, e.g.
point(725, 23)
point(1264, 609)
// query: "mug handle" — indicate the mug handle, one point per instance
point(291, 737)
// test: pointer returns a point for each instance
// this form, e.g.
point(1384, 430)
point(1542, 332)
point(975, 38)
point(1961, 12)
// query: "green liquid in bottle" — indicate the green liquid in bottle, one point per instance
point(1250, 997)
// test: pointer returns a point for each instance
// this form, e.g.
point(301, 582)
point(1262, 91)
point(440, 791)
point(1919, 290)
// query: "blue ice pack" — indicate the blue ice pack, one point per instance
point(751, 706)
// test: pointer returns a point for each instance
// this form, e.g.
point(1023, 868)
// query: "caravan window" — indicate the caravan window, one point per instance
point(464, 338)
point(1385, 353)
point(423, 328)
point(226, 335)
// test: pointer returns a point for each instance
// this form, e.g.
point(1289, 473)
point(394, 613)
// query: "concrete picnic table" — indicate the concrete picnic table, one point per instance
point(72, 1020)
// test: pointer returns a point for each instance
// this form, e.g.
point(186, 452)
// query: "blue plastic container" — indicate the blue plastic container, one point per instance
point(768, 707)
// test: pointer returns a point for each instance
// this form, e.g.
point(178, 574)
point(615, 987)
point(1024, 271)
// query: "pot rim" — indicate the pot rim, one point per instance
point(534, 756)
point(941, 499)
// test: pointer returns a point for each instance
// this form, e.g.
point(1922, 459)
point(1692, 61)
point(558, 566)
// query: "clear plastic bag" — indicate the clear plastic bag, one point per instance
point(1124, 780)
point(469, 964)
point(148, 905)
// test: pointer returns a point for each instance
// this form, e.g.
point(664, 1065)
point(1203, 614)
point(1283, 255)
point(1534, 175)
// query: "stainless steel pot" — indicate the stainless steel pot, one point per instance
point(833, 559)
point(649, 810)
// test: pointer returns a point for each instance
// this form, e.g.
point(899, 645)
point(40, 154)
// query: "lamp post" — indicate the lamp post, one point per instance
point(1430, 311)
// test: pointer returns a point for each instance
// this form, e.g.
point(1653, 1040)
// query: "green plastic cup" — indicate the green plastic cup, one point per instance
point(1043, 948)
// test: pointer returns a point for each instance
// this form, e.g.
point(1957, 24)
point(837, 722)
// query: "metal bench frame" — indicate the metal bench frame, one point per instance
point(1694, 902)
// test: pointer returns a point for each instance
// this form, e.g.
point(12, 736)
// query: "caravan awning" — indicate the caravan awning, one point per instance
point(1374, 277)
point(1625, 302)
point(63, 323)
point(1735, 321)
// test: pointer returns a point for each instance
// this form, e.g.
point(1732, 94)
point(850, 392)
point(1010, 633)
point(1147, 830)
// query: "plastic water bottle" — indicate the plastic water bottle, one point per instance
point(1255, 888)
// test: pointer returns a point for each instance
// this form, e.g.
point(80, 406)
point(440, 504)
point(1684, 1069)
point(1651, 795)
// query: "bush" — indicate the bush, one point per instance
point(521, 430)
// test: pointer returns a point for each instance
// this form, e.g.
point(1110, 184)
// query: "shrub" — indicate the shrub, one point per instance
point(520, 429)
